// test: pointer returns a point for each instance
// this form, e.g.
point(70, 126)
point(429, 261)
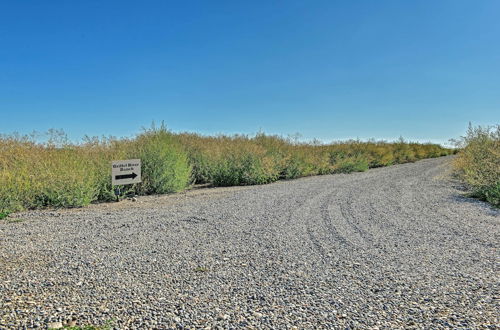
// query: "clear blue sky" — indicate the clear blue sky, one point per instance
point(326, 69)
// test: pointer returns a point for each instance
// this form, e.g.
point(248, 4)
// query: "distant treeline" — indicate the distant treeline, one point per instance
point(58, 173)
point(478, 163)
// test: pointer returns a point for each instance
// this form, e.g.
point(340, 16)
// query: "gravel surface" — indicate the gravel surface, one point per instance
point(390, 247)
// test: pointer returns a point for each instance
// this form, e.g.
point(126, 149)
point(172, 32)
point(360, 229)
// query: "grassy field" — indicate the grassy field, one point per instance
point(478, 162)
point(58, 173)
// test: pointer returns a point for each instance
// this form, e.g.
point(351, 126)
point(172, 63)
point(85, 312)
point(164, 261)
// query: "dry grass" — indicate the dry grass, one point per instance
point(62, 174)
point(239, 160)
point(478, 162)
point(36, 175)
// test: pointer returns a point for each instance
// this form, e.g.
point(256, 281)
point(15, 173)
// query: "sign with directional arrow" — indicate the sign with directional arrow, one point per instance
point(125, 171)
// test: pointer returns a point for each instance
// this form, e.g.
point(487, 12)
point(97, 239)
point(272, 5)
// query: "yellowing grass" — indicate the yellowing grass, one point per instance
point(478, 162)
point(34, 175)
point(238, 160)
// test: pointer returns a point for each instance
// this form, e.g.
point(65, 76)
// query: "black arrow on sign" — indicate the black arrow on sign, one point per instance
point(126, 176)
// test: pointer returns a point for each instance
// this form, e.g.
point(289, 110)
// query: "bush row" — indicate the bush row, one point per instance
point(243, 160)
point(34, 175)
point(478, 162)
point(61, 174)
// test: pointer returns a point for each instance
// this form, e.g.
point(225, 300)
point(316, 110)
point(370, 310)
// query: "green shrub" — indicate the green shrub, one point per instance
point(296, 165)
point(349, 165)
point(347, 161)
point(292, 168)
point(202, 166)
point(489, 194)
point(242, 168)
point(478, 162)
point(34, 176)
point(64, 180)
point(380, 155)
point(403, 152)
point(62, 174)
point(11, 198)
point(165, 167)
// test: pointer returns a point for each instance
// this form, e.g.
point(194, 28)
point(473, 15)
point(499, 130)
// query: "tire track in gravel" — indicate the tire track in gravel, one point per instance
point(331, 220)
point(394, 247)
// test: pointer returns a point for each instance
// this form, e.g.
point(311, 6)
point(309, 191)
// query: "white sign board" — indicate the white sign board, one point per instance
point(125, 171)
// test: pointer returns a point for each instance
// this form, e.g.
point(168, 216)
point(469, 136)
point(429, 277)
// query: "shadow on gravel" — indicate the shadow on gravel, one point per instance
point(462, 195)
point(464, 198)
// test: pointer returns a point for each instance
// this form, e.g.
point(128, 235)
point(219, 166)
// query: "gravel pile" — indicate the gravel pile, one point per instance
point(391, 247)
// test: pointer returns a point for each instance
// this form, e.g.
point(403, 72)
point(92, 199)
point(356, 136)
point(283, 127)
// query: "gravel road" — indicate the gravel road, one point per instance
point(390, 247)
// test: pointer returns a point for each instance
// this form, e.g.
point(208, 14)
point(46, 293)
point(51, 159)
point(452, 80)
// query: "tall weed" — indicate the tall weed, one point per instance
point(165, 167)
point(58, 173)
point(478, 162)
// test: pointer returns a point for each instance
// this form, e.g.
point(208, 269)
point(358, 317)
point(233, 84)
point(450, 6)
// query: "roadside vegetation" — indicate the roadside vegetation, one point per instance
point(58, 173)
point(478, 162)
